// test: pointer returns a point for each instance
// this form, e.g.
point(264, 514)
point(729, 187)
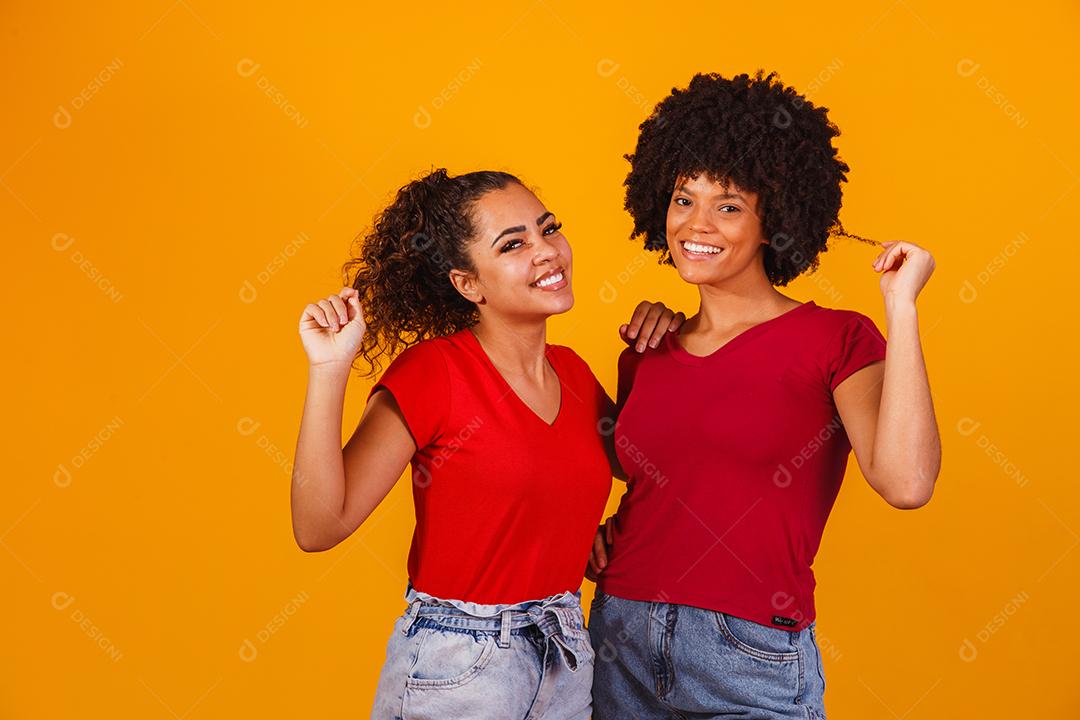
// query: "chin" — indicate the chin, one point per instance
point(694, 276)
point(562, 304)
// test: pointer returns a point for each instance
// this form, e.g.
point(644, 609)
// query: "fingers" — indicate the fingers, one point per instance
point(316, 313)
point(637, 319)
point(609, 530)
point(663, 322)
point(899, 250)
point(888, 245)
point(889, 257)
point(339, 306)
point(351, 297)
point(648, 327)
point(677, 322)
point(882, 255)
point(334, 323)
point(600, 551)
point(323, 317)
point(355, 310)
point(334, 312)
point(598, 555)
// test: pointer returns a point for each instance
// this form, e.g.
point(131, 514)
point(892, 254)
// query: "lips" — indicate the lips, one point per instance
point(547, 276)
point(700, 251)
point(554, 279)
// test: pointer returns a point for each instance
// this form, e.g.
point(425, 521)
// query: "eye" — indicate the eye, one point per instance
point(511, 245)
point(733, 207)
point(685, 202)
point(553, 228)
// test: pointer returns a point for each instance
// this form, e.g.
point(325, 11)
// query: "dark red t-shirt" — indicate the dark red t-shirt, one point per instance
point(735, 460)
point(506, 505)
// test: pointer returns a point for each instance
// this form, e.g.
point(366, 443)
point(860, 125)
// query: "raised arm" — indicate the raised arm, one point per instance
point(334, 489)
point(887, 407)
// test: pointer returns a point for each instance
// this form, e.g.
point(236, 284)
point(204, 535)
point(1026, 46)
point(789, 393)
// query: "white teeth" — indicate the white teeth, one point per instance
point(557, 277)
point(695, 247)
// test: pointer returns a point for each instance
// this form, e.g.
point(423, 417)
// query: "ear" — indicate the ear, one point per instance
point(468, 285)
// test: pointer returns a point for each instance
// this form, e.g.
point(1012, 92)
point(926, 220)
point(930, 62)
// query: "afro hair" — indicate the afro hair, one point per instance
point(758, 134)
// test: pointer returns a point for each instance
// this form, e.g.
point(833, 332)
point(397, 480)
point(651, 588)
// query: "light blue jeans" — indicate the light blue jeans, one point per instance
point(664, 660)
point(451, 660)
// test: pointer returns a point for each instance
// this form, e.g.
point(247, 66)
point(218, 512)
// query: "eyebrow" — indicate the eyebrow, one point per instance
point(521, 228)
point(725, 196)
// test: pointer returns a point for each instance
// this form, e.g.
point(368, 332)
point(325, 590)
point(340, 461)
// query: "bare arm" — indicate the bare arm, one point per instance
point(333, 489)
point(887, 407)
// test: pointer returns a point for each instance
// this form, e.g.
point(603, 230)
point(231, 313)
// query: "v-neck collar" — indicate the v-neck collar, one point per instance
point(508, 390)
point(681, 354)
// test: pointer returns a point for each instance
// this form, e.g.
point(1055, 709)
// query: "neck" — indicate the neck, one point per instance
point(513, 347)
point(747, 298)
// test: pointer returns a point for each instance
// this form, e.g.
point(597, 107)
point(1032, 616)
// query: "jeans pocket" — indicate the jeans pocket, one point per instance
point(447, 658)
point(756, 640)
point(817, 653)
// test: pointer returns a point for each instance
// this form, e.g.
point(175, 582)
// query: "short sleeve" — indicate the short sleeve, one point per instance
point(419, 381)
point(858, 343)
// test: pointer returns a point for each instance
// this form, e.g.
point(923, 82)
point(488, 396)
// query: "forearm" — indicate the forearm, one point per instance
point(318, 483)
point(907, 446)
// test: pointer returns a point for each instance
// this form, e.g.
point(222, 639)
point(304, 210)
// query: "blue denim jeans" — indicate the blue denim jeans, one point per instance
point(662, 660)
point(451, 659)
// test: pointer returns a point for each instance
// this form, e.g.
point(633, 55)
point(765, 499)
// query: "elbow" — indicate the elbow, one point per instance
point(909, 501)
point(313, 542)
point(911, 492)
point(310, 546)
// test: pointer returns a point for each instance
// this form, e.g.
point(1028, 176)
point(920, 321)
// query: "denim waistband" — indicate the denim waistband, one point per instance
point(558, 617)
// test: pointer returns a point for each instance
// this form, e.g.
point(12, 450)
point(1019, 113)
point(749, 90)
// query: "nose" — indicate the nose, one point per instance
point(545, 251)
point(700, 222)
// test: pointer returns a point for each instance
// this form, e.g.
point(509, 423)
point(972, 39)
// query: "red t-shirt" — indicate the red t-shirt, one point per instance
point(506, 505)
point(734, 462)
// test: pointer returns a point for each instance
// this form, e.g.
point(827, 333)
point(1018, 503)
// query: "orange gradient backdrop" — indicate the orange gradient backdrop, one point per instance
point(179, 178)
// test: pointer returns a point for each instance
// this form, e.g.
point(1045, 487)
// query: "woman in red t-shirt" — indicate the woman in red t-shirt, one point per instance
point(505, 433)
point(735, 433)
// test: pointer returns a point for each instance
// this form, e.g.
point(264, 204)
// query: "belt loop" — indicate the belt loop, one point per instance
point(410, 616)
point(504, 630)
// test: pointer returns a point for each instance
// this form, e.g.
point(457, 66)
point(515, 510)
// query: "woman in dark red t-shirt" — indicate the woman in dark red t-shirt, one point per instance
point(735, 433)
point(505, 433)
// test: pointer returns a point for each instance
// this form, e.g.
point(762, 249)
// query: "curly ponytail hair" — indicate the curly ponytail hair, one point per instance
point(401, 267)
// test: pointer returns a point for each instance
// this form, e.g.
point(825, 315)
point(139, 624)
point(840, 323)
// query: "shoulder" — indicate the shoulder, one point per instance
point(570, 360)
point(829, 322)
point(428, 351)
point(574, 370)
point(424, 361)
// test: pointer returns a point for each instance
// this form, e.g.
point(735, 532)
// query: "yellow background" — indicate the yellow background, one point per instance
point(178, 179)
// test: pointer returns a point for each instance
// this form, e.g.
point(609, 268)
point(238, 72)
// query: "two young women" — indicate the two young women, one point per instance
point(734, 433)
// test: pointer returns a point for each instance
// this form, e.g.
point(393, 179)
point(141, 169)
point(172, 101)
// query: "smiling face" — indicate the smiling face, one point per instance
point(714, 231)
point(521, 259)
